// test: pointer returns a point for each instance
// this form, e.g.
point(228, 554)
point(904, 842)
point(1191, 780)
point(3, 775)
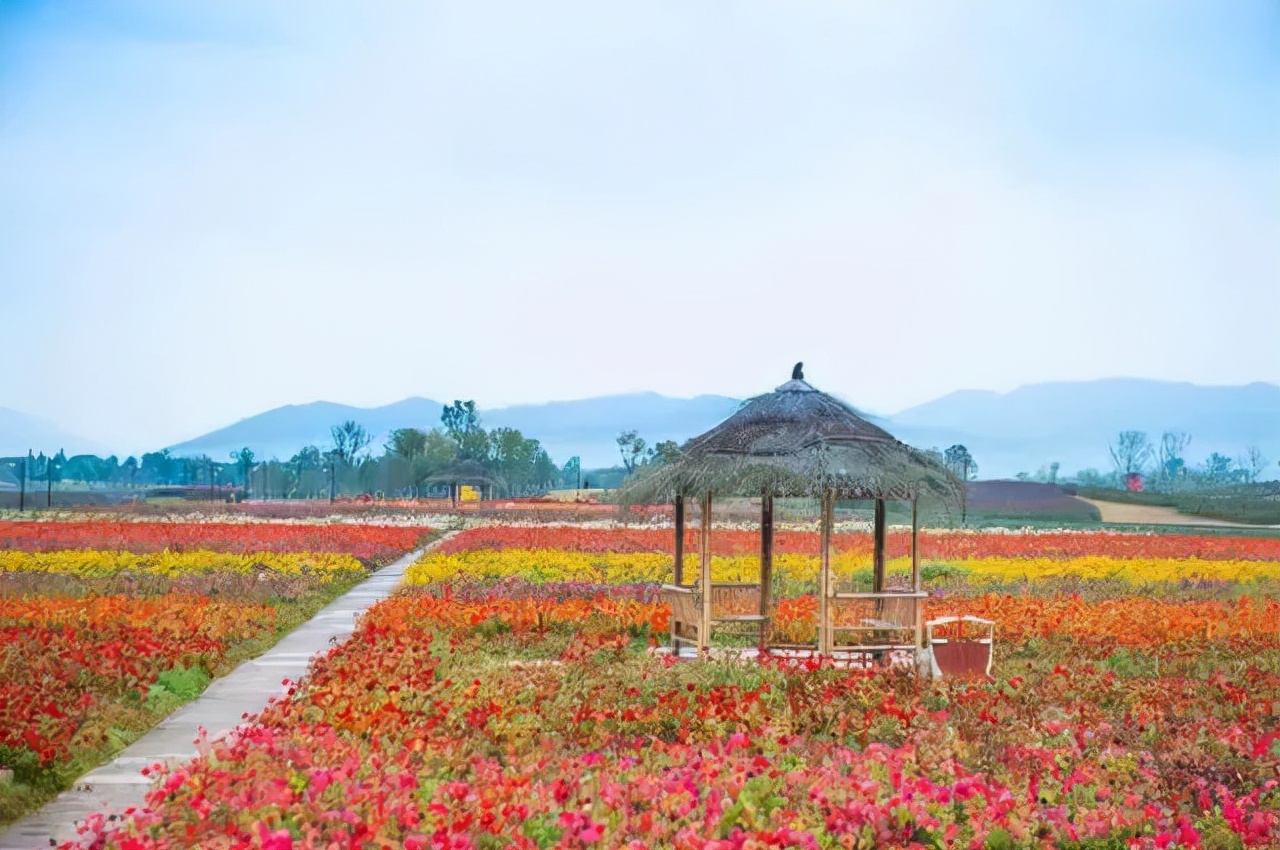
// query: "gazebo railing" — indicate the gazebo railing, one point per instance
point(874, 622)
point(734, 606)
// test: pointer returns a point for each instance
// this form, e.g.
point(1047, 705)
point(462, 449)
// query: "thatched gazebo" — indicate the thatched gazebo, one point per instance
point(468, 472)
point(797, 442)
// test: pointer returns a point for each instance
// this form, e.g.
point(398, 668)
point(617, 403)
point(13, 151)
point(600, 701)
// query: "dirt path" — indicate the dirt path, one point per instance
point(1125, 514)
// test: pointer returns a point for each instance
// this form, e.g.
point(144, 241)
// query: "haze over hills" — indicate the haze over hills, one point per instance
point(586, 427)
point(1019, 431)
point(20, 432)
point(1073, 422)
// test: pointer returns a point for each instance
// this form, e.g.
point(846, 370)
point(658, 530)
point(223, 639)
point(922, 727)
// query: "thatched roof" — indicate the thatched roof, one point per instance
point(465, 472)
point(795, 441)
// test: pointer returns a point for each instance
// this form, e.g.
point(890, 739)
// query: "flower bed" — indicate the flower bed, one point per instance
point(64, 662)
point(947, 545)
point(373, 543)
point(530, 715)
point(96, 646)
point(561, 565)
point(87, 563)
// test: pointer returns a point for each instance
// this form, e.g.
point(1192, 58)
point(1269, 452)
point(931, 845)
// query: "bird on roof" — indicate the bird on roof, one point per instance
point(797, 374)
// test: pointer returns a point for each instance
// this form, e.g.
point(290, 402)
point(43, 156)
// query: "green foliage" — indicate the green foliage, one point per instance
point(176, 686)
point(634, 450)
point(349, 439)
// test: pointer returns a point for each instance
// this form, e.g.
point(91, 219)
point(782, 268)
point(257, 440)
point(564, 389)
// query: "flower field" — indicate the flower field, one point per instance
point(89, 563)
point(106, 627)
point(939, 544)
point(565, 553)
point(373, 543)
point(509, 698)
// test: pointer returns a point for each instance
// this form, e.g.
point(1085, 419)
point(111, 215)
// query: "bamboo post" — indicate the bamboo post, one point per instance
point(766, 563)
point(877, 581)
point(825, 641)
point(916, 583)
point(680, 540)
point(704, 570)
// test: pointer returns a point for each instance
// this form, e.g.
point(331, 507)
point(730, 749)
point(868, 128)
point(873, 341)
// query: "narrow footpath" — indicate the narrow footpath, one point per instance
point(120, 784)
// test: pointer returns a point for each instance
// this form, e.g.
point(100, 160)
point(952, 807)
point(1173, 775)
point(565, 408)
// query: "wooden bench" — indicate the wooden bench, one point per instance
point(733, 605)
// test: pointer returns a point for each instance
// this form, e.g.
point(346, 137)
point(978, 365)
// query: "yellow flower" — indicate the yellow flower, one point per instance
point(89, 563)
point(552, 565)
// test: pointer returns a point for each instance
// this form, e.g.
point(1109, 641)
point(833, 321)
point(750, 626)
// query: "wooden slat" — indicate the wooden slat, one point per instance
point(887, 595)
point(766, 552)
point(824, 574)
point(916, 581)
point(679, 539)
point(877, 581)
point(704, 570)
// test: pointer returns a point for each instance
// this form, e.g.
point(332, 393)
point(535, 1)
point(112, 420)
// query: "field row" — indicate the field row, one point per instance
point(96, 646)
point(451, 723)
point(944, 545)
point(552, 565)
point(373, 543)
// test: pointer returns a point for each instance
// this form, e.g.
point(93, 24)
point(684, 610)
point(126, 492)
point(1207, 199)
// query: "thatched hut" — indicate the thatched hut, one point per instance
point(468, 472)
point(797, 442)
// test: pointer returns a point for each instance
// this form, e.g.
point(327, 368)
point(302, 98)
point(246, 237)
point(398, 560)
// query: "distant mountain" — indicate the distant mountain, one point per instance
point(587, 428)
point(20, 432)
point(1074, 422)
point(282, 431)
point(1007, 433)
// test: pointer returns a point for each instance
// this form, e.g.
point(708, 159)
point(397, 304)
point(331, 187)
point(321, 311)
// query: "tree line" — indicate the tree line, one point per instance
point(1163, 464)
point(404, 466)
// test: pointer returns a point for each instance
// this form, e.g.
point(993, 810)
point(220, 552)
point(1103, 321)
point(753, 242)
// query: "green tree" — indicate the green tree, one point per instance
point(438, 451)
point(1252, 462)
point(634, 450)
point(960, 462)
point(571, 474)
point(1172, 466)
point(349, 439)
point(1131, 452)
point(407, 443)
point(462, 423)
point(243, 459)
point(129, 470)
point(1219, 469)
point(304, 465)
point(157, 467)
point(666, 451)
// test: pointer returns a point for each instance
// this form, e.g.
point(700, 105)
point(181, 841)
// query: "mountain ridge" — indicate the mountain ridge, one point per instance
point(1021, 430)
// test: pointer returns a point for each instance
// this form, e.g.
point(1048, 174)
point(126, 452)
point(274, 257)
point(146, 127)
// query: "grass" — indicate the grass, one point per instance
point(1257, 505)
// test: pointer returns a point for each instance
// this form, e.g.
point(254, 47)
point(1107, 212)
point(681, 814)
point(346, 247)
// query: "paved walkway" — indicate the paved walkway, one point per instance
point(120, 784)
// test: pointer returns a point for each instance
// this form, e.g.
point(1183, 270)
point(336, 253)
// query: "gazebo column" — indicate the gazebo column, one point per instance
point(916, 583)
point(680, 540)
point(766, 563)
point(877, 580)
point(825, 641)
point(704, 573)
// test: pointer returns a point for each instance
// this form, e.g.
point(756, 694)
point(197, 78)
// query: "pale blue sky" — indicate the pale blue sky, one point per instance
point(210, 209)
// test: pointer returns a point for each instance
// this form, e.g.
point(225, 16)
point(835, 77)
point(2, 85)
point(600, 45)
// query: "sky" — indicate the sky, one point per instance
point(209, 209)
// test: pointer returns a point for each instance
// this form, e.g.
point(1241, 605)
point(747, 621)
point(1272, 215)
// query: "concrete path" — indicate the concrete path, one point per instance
point(120, 784)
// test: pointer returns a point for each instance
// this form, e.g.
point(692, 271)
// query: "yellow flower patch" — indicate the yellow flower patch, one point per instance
point(551, 565)
point(89, 563)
